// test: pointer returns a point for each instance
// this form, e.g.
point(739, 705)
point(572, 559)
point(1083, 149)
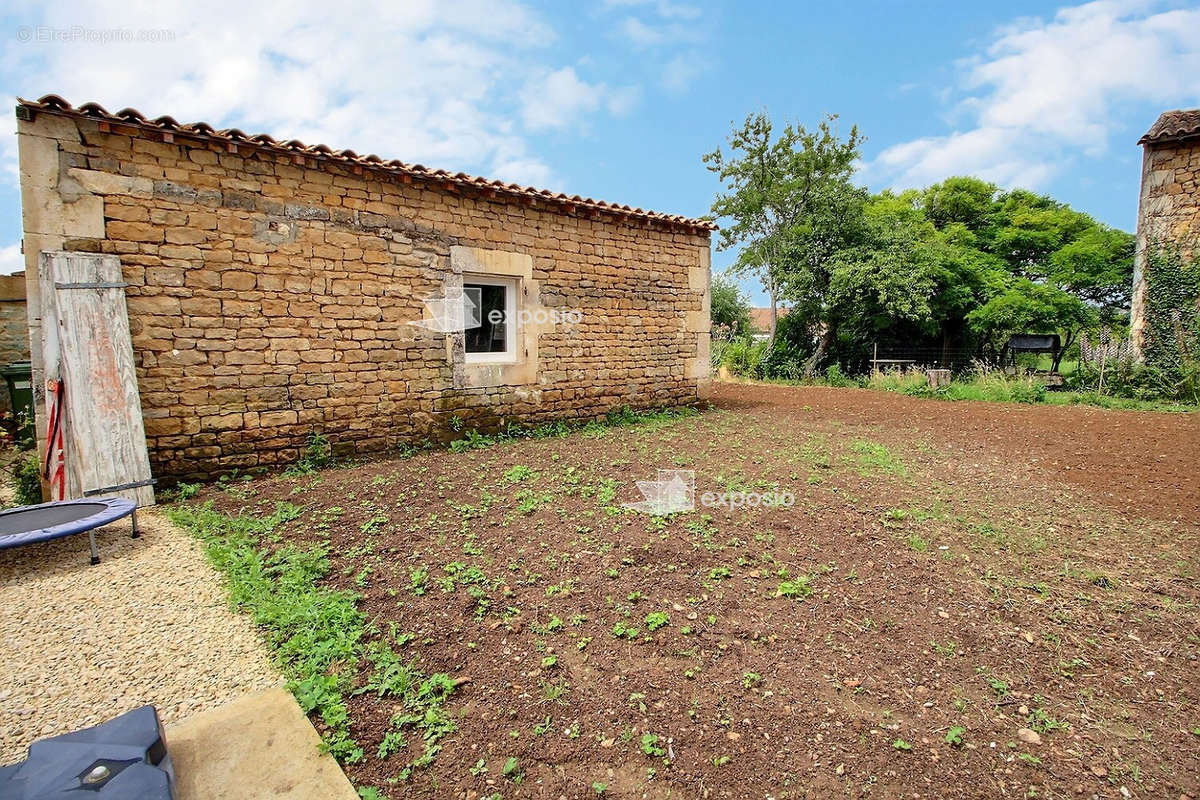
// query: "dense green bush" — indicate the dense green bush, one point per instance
point(835, 377)
point(1172, 334)
point(742, 357)
point(26, 480)
point(729, 307)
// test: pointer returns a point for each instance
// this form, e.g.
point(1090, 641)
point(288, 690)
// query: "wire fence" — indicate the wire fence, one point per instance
point(1097, 349)
point(892, 357)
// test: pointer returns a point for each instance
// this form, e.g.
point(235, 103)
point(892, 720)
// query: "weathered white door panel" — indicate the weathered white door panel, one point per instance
point(86, 344)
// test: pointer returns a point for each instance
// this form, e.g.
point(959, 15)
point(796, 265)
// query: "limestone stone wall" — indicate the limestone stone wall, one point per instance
point(1169, 209)
point(14, 329)
point(270, 297)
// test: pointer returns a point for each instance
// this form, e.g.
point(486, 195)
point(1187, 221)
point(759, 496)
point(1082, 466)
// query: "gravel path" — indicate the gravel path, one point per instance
point(150, 624)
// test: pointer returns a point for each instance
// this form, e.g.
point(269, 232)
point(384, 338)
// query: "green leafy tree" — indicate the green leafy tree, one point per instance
point(1030, 228)
point(1097, 266)
point(889, 276)
point(962, 200)
point(778, 191)
point(729, 308)
point(960, 265)
point(909, 279)
point(1029, 307)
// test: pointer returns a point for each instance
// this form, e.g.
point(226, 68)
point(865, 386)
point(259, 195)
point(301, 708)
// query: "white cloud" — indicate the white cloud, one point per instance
point(623, 99)
point(664, 8)
point(11, 259)
point(665, 31)
point(682, 70)
point(1043, 93)
point(659, 32)
point(656, 23)
point(559, 98)
point(444, 84)
point(642, 34)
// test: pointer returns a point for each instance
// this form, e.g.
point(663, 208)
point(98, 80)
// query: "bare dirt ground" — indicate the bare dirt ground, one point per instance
point(965, 600)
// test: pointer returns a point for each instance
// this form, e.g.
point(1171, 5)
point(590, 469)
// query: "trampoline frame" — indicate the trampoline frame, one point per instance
point(115, 508)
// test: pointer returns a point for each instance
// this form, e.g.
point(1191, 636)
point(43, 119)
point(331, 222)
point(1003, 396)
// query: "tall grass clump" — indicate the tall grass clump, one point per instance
point(982, 384)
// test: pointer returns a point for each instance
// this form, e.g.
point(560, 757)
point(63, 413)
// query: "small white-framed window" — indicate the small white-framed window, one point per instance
point(491, 316)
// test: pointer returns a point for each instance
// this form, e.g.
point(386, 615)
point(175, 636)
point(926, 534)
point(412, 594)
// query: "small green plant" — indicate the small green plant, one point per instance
point(418, 580)
point(317, 454)
point(512, 770)
point(623, 631)
point(874, 458)
point(598, 787)
point(650, 745)
point(529, 502)
point(751, 679)
point(517, 473)
point(954, 737)
point(656, 620)
point(946, 650)
point(553, 691)
point(186, 491)
point(900, 744)
point(1041, 721)
point(392, 742)
point(796, 588)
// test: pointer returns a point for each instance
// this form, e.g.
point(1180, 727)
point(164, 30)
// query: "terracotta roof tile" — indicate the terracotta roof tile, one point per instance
point(54, 104)
point(760, 318)
point(1174, 126)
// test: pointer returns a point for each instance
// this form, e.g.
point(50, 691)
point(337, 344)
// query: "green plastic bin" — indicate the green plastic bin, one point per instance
point(19, 377)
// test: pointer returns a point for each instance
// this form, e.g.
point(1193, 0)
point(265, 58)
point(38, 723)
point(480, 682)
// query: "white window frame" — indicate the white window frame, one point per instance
point(511, 287)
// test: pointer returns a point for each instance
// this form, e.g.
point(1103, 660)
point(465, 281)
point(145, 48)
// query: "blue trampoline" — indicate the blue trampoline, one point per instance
point(41, 523)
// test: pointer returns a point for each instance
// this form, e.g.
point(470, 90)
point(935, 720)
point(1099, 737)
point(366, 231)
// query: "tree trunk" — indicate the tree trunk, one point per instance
point(1056, 359)
point(774, 313)
point(823, 347)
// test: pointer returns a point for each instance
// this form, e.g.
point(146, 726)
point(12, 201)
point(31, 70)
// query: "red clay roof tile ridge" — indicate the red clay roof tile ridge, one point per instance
point(53, 103)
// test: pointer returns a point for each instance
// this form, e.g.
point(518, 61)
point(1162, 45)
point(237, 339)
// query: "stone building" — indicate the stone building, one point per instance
point(14, 329)
point(276, 290)
point(1169, 205)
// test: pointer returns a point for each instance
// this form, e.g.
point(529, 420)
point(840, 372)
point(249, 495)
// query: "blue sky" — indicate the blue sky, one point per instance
point(619, 99)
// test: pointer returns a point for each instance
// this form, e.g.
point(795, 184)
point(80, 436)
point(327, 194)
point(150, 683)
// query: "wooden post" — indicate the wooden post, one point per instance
point(875, 360)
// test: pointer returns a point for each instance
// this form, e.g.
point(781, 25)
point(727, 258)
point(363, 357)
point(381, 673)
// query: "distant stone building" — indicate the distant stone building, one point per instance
point(760, 322)
point(277, 290)
point(14, 330)
point(1169, 206)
